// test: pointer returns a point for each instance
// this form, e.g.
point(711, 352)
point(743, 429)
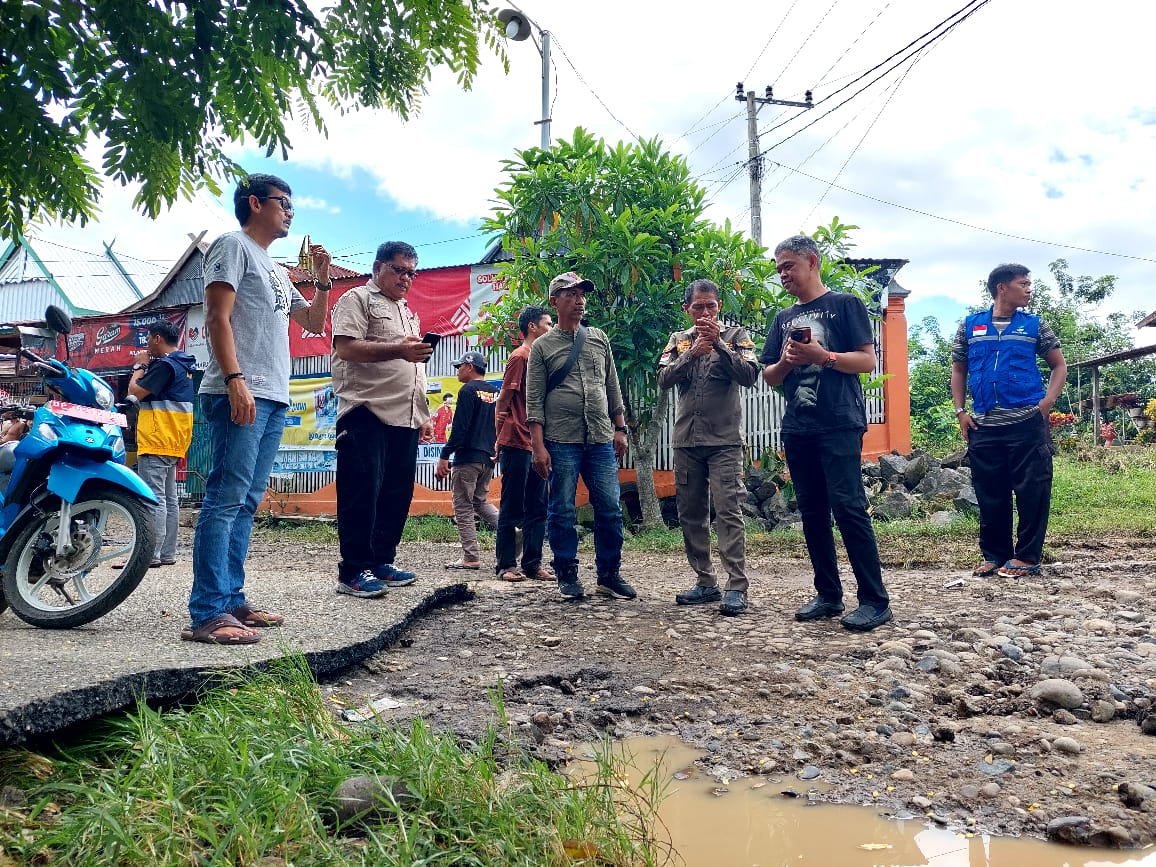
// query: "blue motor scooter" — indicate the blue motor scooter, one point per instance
point(76, 527)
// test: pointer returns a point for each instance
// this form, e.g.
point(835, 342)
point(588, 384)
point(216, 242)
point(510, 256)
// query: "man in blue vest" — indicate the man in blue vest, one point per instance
point(1008, 439)
point(162, 383)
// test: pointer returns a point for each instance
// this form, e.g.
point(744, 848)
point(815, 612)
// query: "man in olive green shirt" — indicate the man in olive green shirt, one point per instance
point(577, 429)
point(710, 365)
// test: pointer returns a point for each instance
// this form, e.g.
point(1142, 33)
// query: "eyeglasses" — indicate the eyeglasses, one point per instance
point(402, 272)
point(285, 202)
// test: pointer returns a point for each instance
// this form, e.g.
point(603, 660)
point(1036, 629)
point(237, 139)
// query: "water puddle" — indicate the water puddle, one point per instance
point(748, 823)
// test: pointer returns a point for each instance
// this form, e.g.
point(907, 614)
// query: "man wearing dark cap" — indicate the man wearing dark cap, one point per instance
point(574, 411)
point(471, 445)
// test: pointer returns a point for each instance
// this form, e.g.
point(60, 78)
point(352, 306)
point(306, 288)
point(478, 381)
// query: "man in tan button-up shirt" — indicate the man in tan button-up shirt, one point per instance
point(378, 365)
point(710, 365)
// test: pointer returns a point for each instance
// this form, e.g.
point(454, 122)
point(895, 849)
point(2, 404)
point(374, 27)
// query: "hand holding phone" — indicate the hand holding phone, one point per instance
point(432, 338)
point(801, 334)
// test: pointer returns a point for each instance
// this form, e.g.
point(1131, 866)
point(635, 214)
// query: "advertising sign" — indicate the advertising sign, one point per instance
point(110, 342)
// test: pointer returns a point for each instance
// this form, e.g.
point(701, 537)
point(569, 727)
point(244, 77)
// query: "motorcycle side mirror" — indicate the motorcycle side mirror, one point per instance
point(57, 319)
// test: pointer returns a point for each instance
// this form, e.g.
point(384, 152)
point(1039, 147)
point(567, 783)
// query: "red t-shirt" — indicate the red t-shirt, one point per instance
point(514, 432)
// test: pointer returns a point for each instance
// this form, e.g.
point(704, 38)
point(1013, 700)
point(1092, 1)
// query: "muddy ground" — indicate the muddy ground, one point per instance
point(1002, 706)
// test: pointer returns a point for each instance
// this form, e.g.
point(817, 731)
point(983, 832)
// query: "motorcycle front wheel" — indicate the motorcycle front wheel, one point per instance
point(111, 542)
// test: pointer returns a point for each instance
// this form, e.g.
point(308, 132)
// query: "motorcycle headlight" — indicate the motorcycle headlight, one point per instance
point(45, 431)
point(103, 395)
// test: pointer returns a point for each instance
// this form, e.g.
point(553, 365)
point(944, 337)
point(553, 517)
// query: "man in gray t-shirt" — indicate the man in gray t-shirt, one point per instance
point(244, 394)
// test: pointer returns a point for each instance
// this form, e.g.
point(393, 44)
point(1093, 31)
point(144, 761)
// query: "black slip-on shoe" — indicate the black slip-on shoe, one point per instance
point(698, 595)
point(734, 602)
point(818, 608)
point(867, 617)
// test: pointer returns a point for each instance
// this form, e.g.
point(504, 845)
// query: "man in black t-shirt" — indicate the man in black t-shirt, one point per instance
point(816, 350)
point(471, 445)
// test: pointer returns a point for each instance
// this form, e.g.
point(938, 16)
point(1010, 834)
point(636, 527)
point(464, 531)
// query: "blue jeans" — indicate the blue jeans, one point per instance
point(598, 467)
point(242, 458)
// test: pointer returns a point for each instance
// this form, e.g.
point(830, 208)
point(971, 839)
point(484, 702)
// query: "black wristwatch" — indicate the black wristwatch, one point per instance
point(621, 428)
point(139, 366)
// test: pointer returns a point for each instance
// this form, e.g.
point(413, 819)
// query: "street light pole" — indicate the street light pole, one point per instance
point(545, 121)
point(517, 28)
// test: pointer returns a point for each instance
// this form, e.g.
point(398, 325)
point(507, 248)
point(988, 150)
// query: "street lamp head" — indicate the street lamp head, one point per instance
point(517, 24)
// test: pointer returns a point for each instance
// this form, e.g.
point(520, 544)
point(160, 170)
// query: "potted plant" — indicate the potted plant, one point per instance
point(1108, 432)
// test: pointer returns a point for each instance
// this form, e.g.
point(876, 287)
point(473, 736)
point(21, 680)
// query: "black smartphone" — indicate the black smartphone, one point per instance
point(431, 338)
point(801, 335)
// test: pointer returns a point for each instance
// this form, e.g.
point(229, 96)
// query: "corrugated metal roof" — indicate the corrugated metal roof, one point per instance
point(25, 301)
point(89, 282)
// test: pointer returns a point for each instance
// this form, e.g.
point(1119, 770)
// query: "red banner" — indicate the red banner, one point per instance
point(440, 298)
point(110, 342)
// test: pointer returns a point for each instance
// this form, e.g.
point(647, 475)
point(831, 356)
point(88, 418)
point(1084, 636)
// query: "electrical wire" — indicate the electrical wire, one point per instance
point(882, 75)
point(963, 224)
point(854, 42)
point(894, 90)
point(805, 42)
point(601, 102)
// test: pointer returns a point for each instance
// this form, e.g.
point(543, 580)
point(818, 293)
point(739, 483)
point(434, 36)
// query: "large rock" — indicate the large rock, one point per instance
point(965, 501)
point(955, 460)
point(1057, 691)
point(775, 508)
point(915, 470)
point(940, 483)
point(891, 467)
point(894, 504)
point(1058, 665)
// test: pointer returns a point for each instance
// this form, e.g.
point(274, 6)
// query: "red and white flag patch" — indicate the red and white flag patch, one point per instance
point(978, 330)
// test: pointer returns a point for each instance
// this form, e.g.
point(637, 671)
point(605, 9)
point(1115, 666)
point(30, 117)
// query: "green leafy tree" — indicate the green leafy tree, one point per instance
point(163, 86)
point(629, 217)
point(934, 427)
point(1069, 307)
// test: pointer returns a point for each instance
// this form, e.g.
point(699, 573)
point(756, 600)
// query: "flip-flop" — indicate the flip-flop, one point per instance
point(1010, 571)
point(257, 617)
point(511, 575)
point(206, 632)
point(986, 568)
point(462, 564)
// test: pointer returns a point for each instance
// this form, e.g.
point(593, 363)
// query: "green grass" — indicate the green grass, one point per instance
point(250, 772)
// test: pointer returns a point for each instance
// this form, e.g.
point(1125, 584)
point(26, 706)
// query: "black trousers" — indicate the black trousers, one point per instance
point(825, 469)
point(523, 504)
point(1015, 459)
point(375, 477)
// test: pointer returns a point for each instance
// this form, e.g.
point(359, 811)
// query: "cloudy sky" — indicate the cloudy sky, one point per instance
point(1025, 134)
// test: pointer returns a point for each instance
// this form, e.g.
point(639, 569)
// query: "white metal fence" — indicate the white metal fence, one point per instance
point(762, 412)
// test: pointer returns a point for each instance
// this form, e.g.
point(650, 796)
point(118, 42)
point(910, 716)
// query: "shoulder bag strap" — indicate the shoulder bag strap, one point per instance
point(562, 372)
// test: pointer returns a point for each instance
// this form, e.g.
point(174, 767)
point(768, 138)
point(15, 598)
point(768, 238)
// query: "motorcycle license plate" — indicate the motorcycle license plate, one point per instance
point(88, 413)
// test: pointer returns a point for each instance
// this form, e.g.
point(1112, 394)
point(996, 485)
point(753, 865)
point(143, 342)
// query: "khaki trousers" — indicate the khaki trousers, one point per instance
point(471, 486)
point(703, 473)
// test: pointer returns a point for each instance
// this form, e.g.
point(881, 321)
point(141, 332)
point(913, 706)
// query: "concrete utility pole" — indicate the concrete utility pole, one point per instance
point(754, 158)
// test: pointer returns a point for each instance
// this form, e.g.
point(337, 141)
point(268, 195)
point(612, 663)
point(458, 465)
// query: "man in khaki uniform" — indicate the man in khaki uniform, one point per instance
point(378, 368)
point(710, 364)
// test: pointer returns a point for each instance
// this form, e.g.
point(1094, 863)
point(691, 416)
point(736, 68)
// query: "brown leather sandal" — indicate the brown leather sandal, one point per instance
point(206, 633)
point(257, 617)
